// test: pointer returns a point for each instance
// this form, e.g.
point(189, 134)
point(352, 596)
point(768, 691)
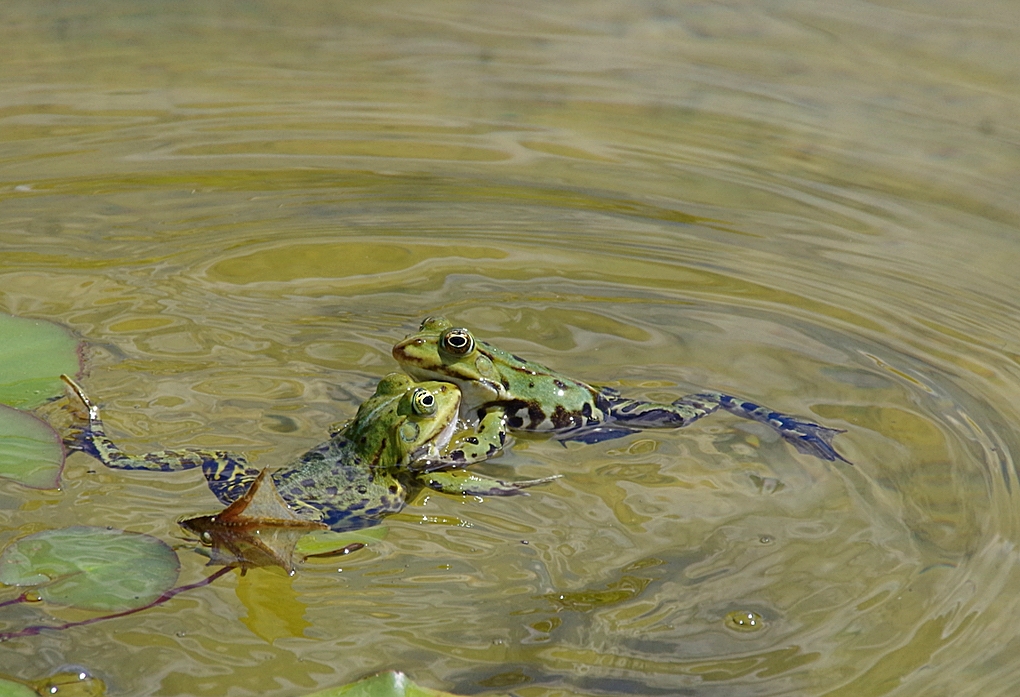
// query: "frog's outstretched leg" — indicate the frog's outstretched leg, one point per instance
point(626, 416)
point(472, 484)
point(805, 436)
point(220, 467)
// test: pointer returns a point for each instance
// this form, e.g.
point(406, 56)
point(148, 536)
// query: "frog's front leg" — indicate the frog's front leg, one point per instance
point(486, 440)
point(471, 484)
point(94, 441)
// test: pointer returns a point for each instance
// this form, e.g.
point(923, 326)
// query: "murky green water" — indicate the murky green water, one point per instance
point(815, 205)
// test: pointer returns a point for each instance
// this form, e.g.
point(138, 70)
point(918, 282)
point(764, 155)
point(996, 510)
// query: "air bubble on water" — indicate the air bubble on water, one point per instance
point(743, 621)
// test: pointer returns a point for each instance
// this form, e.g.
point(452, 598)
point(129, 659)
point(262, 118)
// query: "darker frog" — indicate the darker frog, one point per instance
point(360, 474)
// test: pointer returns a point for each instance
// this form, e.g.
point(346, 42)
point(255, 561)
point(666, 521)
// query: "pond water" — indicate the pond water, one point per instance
point(241, 207)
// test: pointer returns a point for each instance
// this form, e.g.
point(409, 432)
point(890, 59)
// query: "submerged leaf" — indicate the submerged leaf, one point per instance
point(69, 682)
point(33, 354)
point(391, 683)
point(327, 542)
point(256, 530)
point(30, 450)
point(91, 568)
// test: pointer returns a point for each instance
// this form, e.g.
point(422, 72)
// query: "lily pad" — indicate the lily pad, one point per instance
point(9, 688)
point(391, 683)
point(33, 354)
point(91, 568)
point(30, 451)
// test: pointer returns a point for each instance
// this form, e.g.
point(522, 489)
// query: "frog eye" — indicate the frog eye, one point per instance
point(458, 342)
point(423, 402)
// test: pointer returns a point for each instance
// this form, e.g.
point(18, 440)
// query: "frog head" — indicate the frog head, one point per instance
point(441, 351)
point(404, 421)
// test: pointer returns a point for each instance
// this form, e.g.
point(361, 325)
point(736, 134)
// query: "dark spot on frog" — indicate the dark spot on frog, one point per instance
point(563, 419)
point(560, 384)
point(536, 414)
point(472, 440)
point(362, 489)
point(379, 452)
point(308, 483)
point(331, 491)
point(393, 489)
point(513, 409)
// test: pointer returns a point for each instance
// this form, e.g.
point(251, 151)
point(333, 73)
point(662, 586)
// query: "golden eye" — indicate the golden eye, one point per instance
point(458, 342)
point(423, 402)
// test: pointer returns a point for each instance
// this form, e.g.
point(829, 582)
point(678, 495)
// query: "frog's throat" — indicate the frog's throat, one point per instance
point(432, 447)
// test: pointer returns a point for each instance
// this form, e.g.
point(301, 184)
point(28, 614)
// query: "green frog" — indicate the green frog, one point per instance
point(362, 473)
point(501, 391)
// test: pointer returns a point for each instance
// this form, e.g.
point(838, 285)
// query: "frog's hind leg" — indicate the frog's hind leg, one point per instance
point(229, 476)
point(636, 414)
point(807, 437)
point(92, 439)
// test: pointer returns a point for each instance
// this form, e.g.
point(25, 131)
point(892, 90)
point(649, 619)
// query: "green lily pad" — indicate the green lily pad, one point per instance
point(33, 354)
point(30, 451)
point(91, 568)
point(9, 688)
point(391, 683)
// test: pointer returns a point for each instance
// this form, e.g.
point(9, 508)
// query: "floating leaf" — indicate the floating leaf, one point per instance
point(392, 683)
point(9, 688)
point(30, 451)
point(33, 354)
point(256, 530)
point(91, 568)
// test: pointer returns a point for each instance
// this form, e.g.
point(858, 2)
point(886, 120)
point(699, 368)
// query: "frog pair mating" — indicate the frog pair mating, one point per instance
point(406, 433)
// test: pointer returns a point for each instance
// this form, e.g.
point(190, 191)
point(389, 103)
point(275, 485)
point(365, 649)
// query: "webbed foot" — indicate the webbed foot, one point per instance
point(807, 437)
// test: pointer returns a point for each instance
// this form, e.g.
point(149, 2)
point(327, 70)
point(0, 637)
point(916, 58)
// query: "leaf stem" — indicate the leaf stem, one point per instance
point(36, 629)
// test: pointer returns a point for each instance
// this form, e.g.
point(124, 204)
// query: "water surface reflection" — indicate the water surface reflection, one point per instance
point(242, 208)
